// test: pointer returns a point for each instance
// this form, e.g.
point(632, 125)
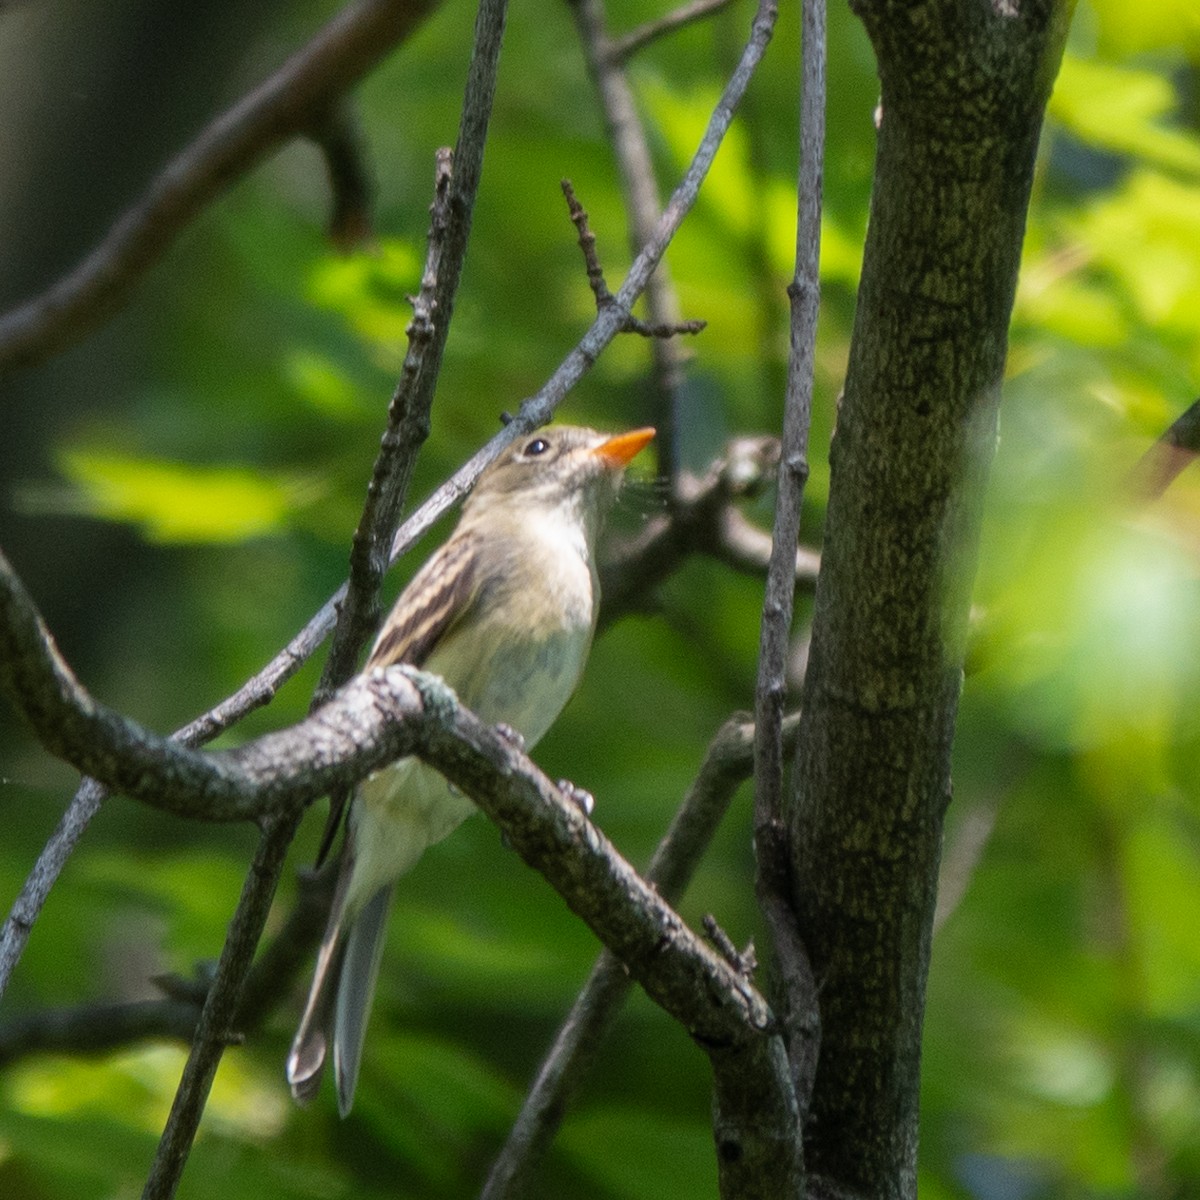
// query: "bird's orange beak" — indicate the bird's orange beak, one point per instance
point(619, 450)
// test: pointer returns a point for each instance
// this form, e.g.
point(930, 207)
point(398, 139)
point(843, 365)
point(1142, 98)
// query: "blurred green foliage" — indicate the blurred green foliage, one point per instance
point(234, 429)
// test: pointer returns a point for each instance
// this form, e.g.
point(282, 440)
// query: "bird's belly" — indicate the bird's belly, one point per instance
point(527, 685)
point(401, 810)
point(396, 815)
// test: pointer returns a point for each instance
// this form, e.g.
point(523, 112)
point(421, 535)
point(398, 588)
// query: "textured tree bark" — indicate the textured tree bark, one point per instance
point(964, 85)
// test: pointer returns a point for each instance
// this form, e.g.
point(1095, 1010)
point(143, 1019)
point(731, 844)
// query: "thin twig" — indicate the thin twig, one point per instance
point(622, 48)
point(744, 962)
point(218, 1021)
point(54, 856)
point(727, 763)
point(290, 102)
point(455, 187)
point(407, 428)
point(798, 988)
point(595, 273)
point(643, 203)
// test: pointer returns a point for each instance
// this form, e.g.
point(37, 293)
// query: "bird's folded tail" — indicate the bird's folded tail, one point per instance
point(306, 1060)
point(358, 970)
point(310, 1046)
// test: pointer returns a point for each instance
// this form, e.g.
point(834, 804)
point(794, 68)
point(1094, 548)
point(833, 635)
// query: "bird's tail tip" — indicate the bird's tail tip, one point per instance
point(306, 1064)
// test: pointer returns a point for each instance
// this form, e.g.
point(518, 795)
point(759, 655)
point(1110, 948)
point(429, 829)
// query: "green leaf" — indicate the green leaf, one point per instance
point(180, 502)
point(1123, 109)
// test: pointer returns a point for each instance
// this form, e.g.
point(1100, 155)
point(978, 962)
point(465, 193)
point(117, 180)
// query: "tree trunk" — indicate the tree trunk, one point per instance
point(964, 86)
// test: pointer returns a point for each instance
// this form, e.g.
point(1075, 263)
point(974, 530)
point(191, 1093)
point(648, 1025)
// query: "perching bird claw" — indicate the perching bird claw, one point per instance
point(514, 737)
point(580, 797)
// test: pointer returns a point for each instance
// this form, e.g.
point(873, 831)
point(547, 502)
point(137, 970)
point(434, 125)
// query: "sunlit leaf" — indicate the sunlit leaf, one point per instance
point(1153, 25)
point(370, 289)
point(180, 502)
point(1143, 234)
point(1124, 109)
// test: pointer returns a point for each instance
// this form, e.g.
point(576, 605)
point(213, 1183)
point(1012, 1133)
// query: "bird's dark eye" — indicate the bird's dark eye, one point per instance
point(536, 447)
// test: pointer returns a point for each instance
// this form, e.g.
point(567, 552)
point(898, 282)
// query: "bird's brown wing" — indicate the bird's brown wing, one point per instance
point(438, 597)
point(434, 602)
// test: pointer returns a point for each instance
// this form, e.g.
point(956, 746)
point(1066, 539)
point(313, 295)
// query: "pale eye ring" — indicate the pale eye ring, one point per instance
point(536, 447)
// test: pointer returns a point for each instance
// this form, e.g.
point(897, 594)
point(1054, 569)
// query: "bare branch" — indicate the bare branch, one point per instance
point(294, 100)
point(745, 547)
point(643, 204)
point(727, 763)
point(54, 856)
point(217, 1027)
point(407, 428)
point(604, 298)
point(623, 48)
point(456, 183)
point(798, 987)
point(723, 1012)
point(95, 1028)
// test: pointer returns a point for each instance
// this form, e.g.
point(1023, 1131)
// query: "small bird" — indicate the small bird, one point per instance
point(504, 612)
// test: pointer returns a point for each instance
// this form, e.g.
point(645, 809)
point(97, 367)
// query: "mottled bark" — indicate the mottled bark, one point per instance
point(964, 85)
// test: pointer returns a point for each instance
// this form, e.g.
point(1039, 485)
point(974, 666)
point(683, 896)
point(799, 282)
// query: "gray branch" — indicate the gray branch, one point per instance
point(797, 987)
point(622, 48)
point(727, 764)
point(374, 720)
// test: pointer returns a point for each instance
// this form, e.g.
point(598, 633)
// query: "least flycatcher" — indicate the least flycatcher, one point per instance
point(504, 612)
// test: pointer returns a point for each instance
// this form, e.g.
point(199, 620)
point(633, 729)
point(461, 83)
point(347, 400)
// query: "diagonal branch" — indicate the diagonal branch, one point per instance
point(727, 764)
point(534, 412)
point(294, 100)
point(407, 428)
point(217, 1026)
point(625, 47)
point(401, 711)
point(661, 330)
point(408, 414)
point(1172, 453)
point(643, 203)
